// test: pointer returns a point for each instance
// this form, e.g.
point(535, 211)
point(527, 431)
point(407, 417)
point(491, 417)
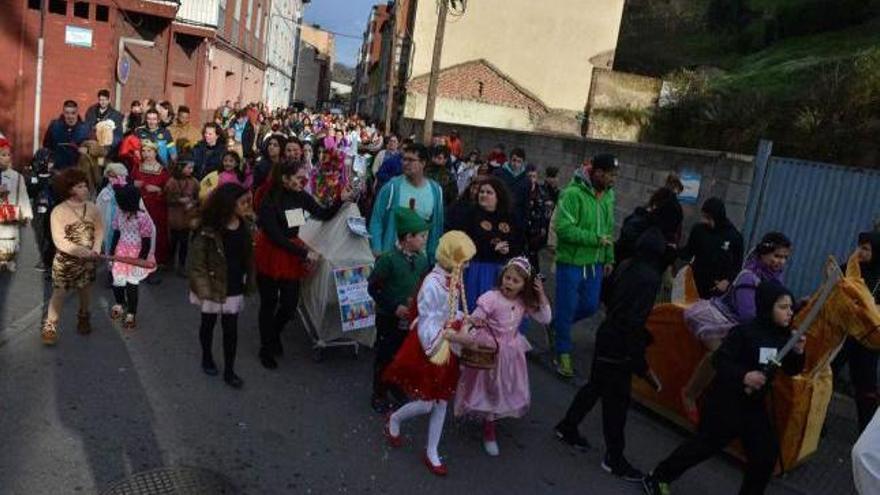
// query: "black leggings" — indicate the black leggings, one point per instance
point(863, 376)
point(720, 423)
point(180, 245)
point(229, 323)
point(611, 383)
point(127, 297)
point(278, 302)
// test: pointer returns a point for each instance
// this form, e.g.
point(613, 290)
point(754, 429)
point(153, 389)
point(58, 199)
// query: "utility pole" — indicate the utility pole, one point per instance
point(389, 99)
point(428, 127)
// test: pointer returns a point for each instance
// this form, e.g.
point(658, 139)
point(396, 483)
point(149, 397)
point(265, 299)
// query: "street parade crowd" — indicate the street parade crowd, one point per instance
point(457, 234)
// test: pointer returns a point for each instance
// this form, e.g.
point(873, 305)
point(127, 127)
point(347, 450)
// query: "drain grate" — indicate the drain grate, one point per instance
point(173, 481)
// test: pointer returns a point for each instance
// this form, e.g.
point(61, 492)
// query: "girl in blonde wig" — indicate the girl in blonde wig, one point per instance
point(425, 367)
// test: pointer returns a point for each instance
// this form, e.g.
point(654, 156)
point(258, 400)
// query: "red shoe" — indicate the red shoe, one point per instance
point(394, 441)
point(691, 411)
point(436, 470)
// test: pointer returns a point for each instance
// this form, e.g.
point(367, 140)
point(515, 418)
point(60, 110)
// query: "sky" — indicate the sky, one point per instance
point(342, 16)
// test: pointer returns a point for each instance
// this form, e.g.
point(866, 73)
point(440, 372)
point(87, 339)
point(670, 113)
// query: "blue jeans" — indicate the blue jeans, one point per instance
point(577, 297)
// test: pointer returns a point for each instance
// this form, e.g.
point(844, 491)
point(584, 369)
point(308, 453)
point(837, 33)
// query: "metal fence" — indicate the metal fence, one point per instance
point(819, 206)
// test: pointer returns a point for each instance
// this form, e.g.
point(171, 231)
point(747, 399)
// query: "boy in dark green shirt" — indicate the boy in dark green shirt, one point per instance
point(393, 285)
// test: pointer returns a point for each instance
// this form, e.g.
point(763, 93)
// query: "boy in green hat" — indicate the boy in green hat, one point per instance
point(393, 284)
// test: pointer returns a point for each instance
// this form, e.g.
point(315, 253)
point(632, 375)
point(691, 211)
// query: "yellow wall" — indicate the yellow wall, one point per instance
point(545, 46)
point(469, 113)
point(322, 40)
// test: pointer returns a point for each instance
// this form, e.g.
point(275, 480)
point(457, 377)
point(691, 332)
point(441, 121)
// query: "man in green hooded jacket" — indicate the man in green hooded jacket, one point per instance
point(584, 249)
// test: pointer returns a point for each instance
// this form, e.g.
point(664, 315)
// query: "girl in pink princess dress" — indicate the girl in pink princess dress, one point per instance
point(503, 391)
point(133, 236)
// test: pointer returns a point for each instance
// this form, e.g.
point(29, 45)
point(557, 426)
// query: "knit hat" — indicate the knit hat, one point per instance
point(407, 221)
point(454, 249)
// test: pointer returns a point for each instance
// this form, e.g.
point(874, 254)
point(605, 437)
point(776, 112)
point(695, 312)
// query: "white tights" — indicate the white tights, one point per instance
point(435, 425)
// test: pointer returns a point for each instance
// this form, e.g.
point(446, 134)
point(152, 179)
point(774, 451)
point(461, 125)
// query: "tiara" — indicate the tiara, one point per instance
point(521, 262)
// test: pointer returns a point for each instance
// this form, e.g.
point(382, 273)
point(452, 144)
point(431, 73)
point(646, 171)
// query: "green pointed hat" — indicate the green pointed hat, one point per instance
point(408, 221)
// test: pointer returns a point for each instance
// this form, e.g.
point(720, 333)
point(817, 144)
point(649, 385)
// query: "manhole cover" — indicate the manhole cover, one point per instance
point(173, 481)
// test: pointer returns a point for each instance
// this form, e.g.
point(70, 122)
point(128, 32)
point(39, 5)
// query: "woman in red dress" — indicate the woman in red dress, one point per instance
point(425, 367)
point(150, 177)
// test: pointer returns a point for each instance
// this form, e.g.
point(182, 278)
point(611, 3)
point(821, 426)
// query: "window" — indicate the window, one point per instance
point(81, 10)
point(58, 7)
point(236, 14)
point(102, 13)
point(34, 4)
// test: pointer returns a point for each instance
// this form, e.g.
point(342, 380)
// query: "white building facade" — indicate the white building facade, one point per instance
point(282, 41)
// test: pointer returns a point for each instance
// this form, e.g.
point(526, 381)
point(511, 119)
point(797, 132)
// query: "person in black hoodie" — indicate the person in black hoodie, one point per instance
point(863, 361)
point(621, 342)
point(641, 219)
point(735, 406)
point(716, 248)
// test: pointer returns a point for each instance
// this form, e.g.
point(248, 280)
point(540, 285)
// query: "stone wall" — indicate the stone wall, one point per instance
point(643, 167)
point(619, 104)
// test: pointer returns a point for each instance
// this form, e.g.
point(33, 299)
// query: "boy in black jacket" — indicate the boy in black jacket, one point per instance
point(734, 406)
point(621, 342)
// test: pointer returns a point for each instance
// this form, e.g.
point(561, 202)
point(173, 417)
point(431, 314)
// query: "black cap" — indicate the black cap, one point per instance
point(604, 161)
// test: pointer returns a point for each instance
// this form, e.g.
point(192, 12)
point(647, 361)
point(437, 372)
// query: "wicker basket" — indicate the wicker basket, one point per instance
point(483, 357)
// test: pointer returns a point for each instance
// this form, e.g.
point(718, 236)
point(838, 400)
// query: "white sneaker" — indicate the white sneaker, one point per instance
point(491, 448)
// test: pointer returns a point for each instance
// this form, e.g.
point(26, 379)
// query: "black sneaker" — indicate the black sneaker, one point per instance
point(380, 405)
point(654, 487)
point(571, 436)
point(209, 368)
point(623, 470)
point(233, 380)
point(268, 362)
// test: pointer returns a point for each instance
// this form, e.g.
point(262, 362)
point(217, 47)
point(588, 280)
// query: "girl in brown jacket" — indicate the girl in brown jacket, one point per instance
point(221, 272)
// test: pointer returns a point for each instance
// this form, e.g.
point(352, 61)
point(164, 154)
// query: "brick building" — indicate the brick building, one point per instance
point(193, 52)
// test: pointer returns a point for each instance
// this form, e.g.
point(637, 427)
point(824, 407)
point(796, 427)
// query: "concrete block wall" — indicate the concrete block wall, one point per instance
point(643, 167)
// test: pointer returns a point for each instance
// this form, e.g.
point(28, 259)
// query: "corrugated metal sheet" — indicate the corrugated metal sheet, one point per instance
point(199, 12)
point(820, 207)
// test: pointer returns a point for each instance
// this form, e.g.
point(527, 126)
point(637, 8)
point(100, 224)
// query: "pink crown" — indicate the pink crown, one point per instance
point(521, 262)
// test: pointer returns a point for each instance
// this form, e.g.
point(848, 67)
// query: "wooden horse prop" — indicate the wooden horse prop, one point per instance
point(799, 403)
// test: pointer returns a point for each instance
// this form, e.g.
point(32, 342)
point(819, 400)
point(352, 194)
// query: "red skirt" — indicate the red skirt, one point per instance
point(417, 376)
point(276, 262)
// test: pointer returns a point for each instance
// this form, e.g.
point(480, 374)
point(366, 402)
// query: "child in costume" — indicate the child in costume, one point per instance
point(503, 392)
point(393, 281)
point(133, 235)
point(735, 406)
point(15, 207)
point(182, 196)
point(425, 367)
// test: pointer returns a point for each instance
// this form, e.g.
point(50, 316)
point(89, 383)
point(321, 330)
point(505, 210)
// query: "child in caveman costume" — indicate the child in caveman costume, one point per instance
point(15, 207)
point(425, 367)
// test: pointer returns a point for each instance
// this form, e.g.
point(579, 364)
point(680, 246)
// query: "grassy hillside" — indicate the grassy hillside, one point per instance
point(805, 73)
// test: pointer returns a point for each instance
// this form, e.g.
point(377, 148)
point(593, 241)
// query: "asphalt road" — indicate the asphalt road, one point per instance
point(96, 409)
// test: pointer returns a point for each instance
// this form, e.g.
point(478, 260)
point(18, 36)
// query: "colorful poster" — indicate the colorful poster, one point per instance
point(356, 307)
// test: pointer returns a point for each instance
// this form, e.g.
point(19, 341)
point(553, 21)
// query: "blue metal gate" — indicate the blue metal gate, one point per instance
point(820, 207)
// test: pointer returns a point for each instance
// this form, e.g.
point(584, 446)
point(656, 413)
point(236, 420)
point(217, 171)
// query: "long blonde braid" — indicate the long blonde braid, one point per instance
point(457, 298)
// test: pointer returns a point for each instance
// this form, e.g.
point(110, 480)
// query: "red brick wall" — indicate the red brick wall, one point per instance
point(147, 79)
point(69, 72)
point(463, 82)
